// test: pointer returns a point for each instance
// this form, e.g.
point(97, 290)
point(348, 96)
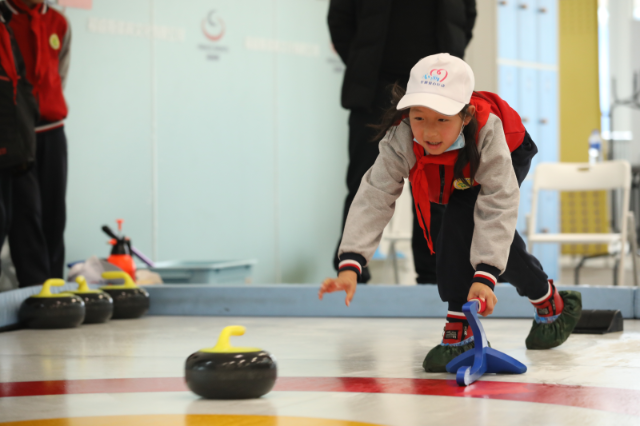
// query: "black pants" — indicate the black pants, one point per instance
point(455, 273)
point(363, 151)
point(425, 261)
point(36, 236)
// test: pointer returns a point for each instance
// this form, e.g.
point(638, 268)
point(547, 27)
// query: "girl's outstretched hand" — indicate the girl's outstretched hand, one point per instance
point(347, 281)
point(483, 292)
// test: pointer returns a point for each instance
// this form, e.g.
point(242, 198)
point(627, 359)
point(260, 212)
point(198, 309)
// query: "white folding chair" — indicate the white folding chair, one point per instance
point(607, 175)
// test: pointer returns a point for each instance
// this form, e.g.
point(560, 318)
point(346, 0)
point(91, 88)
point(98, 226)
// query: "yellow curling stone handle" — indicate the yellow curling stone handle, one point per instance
point(224, 346)
point(46, 288)
point(119, 275)
point(83, 286)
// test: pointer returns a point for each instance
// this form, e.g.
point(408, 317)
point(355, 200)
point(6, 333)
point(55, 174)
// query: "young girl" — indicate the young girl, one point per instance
point(470, 151)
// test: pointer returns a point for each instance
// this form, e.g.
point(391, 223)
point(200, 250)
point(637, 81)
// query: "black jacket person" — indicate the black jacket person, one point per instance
point(379, 41)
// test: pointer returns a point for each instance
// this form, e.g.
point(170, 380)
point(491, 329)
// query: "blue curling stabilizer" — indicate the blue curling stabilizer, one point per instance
point(471, 365)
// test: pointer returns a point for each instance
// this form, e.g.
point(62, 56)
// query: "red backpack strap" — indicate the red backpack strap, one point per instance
point(490, 103)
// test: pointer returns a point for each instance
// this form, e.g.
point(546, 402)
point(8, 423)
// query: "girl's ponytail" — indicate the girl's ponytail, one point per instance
point(390, 116)
point(469, 154)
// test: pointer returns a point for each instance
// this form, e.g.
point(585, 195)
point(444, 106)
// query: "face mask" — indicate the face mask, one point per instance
point(459, 143)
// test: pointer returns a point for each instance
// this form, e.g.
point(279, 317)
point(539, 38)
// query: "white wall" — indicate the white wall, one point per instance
point(210, 150)
point(482, 52)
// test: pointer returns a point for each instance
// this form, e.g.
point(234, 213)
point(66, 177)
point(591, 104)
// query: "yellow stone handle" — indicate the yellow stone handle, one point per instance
point(224, 346)
point(83, 286)
point(46, 287)
point(120, 275)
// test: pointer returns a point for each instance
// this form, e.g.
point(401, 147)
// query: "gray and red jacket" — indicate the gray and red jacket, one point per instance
point(43, 35)
point(495, 212)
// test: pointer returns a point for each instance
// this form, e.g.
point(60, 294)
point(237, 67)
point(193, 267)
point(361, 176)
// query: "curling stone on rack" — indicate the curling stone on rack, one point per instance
point(47, 310)
point(228, 372)
point(98, 304)
point(129, 300)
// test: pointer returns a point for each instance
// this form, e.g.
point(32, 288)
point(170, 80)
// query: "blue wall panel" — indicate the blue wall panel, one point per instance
point(527, 34)
point(508, 82)
point(547, 31)
point(548, 114)
point(507, 24)
point(528, 100)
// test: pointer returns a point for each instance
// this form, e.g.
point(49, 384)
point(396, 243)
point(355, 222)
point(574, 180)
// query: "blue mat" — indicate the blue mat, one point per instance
point(301, 300)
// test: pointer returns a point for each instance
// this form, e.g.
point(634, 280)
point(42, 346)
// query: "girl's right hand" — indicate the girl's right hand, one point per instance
point(484, 293)
point(347, 281)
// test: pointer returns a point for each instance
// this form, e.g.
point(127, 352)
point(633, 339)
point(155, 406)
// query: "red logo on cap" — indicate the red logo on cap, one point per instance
point(439, 73)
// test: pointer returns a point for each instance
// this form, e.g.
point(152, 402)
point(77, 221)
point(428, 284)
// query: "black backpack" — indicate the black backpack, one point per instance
point(18, 115)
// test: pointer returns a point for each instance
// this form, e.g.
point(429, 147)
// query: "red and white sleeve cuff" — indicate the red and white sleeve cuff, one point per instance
point(486, 274)
point(350, 265)
point(352, 262)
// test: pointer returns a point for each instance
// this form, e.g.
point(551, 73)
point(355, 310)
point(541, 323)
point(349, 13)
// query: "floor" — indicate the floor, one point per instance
point(331, 372)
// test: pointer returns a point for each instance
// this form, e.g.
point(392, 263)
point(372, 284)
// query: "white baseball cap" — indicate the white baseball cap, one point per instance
point(441, 82)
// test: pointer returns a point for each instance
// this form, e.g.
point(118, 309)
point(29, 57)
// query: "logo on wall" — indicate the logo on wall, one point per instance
point(213, 26)
point(435, 77)
point(213, 29)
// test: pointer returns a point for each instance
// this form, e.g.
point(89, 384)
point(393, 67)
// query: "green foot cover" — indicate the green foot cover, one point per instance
point(547, 336)
point(438, 357)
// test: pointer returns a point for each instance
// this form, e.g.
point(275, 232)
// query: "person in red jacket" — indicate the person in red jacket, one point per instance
point(36, 236)
point(18, 115)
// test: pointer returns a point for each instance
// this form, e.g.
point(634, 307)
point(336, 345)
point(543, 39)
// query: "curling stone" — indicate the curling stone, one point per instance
point(129, 300)
point(47, 310)
point(97, 303)
point(227, 372)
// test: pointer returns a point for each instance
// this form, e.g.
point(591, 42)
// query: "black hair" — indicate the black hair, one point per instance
point(467, 155)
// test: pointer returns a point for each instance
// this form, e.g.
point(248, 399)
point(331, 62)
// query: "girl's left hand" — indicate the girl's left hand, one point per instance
point(483, 292)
